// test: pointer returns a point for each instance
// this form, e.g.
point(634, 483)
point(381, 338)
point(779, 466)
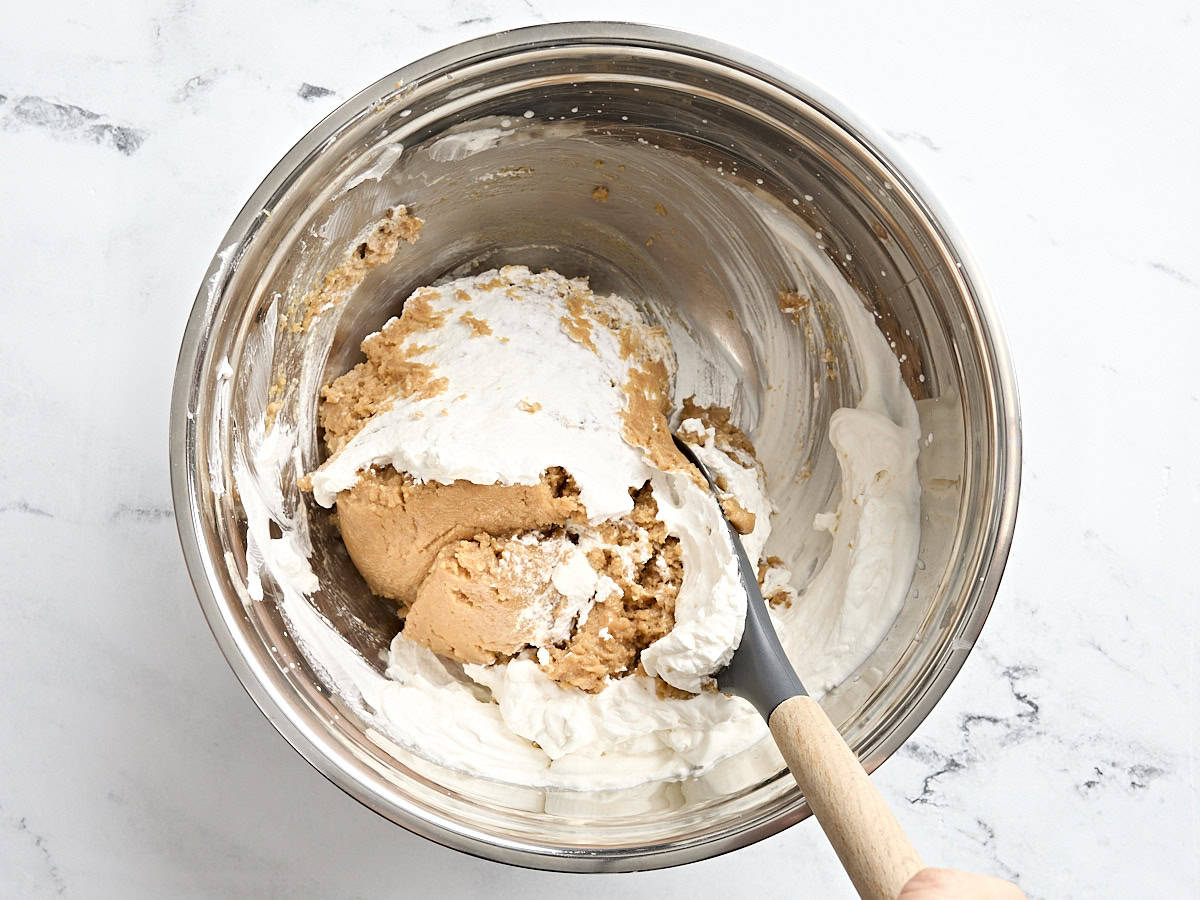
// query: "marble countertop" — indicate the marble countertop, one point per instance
point(1061, 138)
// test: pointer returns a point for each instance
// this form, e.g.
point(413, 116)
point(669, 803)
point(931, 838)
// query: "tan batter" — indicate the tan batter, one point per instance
point(474, 603)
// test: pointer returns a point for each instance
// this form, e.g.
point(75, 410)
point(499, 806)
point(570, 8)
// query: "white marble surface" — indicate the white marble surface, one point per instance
point(1063, 140)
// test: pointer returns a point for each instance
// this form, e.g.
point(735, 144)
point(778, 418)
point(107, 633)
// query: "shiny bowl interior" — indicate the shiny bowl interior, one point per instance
point(704, 156)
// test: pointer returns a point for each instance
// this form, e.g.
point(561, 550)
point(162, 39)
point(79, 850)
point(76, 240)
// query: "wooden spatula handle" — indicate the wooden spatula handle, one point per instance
point(875, 851)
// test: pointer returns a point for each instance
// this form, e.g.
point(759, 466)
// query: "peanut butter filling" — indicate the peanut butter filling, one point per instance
point(394, 527)
point(646, 566)
point(475, 604)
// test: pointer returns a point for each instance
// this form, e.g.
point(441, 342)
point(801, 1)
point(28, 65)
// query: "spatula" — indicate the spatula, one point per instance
point(873, 848)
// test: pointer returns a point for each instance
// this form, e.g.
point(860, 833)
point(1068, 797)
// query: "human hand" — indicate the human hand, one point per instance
point(950, 884)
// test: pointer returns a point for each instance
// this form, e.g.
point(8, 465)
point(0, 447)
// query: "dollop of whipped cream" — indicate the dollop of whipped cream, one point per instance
point(519, 394)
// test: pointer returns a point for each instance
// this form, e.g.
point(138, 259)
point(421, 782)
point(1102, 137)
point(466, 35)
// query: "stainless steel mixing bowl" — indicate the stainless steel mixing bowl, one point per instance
point(707, 159)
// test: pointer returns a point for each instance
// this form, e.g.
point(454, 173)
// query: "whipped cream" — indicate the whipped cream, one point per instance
point(480, 428)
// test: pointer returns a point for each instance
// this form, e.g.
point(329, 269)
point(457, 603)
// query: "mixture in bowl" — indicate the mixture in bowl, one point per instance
point(502, 471)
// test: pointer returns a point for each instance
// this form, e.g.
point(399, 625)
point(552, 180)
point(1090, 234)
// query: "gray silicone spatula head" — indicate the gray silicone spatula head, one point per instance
point(759, 671)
